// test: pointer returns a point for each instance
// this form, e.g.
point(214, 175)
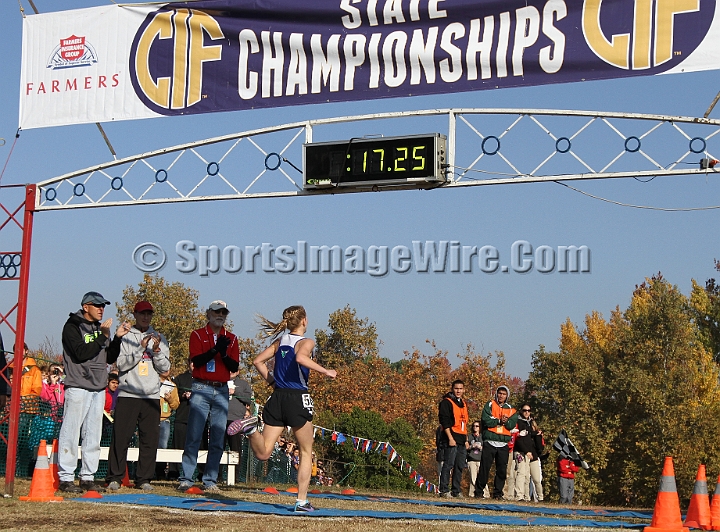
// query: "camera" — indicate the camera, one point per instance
point(57, 371)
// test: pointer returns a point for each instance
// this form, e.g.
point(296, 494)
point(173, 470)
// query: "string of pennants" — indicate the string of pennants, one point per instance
point(381, 447)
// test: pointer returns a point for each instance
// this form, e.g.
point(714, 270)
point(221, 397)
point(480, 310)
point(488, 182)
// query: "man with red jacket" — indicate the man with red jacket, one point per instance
point(453, 417)
point(215, 355)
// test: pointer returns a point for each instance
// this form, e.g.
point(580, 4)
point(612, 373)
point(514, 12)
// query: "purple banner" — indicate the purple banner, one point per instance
point(223, 55)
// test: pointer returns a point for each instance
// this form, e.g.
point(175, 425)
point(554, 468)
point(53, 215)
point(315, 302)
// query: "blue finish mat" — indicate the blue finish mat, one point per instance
point(231, 505)
point(494, 507)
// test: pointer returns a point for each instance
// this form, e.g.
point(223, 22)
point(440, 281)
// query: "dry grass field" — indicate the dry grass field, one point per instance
point(77, 516)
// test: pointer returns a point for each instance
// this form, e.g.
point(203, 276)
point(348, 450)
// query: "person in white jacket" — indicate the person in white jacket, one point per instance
point(144, 356)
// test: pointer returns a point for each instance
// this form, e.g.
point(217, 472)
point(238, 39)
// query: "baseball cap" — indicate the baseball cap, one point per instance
point(142, 306)
point(218, 305)
point(94, 298)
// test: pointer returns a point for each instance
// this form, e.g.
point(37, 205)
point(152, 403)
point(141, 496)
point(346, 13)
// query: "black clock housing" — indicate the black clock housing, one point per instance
point(375, 162)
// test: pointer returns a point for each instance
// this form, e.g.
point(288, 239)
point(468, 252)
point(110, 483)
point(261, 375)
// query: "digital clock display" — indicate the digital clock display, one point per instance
point(380, 161)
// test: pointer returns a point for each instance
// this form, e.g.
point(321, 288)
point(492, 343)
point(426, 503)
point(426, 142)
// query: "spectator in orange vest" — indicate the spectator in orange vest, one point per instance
point(498, 420)
point(453, 418)
point(31, 381)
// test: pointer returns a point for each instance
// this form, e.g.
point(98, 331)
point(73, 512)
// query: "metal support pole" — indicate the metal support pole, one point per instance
point(10, 462)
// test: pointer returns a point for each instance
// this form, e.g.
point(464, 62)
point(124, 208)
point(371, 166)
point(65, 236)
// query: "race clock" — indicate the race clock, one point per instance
point(375, 162)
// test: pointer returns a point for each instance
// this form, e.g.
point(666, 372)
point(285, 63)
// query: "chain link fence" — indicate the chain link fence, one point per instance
point(41, 420)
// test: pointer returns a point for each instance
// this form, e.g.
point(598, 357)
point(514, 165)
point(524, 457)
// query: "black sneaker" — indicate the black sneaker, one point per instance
point(89, 485)
point(304, 508)
point(70, 487)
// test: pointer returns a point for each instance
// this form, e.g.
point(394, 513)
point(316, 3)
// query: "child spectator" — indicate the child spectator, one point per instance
point(314, 470)
point(566, 479)
point(111, 393)
point(169, 402)
point(295, 464)
point(53, 391)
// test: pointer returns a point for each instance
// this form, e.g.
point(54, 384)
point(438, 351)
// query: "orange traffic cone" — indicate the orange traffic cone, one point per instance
point(126, 479)
point(41, 486)
point(698, 514)
point(53, 457)
point(666, 516)
point(715, 507)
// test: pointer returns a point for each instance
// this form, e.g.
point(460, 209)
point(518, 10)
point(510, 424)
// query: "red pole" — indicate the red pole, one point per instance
point(10, 462)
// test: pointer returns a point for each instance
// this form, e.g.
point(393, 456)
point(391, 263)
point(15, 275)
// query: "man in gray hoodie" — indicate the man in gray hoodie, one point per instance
point(144, 356)
point(87, 350)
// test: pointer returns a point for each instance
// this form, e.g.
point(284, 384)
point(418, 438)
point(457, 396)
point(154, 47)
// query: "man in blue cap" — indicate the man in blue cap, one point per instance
point(87, 350)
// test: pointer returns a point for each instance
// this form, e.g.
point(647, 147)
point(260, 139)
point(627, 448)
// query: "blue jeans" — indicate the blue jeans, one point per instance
point(205, 402)
point(164, 434)
point(82, 416)
point(455, 462)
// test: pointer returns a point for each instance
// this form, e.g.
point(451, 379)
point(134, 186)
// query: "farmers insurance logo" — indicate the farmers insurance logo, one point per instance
point(72, 52)
point(661, 30)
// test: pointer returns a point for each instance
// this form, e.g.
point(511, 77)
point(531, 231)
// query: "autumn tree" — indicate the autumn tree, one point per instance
point(664, 381)
point(705, 304)
point(630, 392)
point(350, 338)
point(176, 313)
point(567, 390)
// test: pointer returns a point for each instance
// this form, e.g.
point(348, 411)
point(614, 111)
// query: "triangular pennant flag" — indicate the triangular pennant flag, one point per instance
point(393, 456)
point(340, 439)
point(334, 436)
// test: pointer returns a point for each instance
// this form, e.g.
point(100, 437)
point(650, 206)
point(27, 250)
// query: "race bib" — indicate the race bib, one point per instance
point(308, 402)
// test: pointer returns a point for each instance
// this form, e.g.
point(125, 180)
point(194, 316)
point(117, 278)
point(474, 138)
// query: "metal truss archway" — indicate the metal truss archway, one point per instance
point(484, 147)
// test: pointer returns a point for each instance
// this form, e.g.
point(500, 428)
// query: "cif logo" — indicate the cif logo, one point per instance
point(650, 42)
point(178, 34)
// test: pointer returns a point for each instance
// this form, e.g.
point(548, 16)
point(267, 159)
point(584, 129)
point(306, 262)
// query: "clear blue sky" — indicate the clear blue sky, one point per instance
point(90, 249)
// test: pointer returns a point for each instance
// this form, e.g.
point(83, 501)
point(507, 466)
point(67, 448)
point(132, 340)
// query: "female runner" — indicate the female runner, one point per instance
point(290, 404)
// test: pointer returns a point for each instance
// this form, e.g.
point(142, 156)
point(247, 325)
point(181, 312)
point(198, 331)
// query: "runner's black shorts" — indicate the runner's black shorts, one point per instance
point(288, 408)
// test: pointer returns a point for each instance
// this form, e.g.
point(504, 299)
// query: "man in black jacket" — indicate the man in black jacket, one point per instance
point(453, 418)
point(87, 350)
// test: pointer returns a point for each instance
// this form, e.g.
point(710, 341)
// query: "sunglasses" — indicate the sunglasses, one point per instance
point(102, 305)
point(525, 410)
